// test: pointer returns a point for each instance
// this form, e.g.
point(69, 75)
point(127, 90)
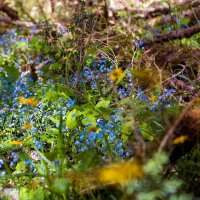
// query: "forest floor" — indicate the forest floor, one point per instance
point(102, 110)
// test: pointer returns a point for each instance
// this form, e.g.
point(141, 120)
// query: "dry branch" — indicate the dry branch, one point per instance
point(157, 11)
point(5, 21)
point(193, 15)
point(173, 127)
point(174, 35)
point(143, 13)
point(9, 11)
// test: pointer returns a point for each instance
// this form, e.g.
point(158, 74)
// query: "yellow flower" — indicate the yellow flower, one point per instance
point(121, 172)
point(153, 99)
point(70, 25)
point(65, 58)
point(16, 142)
point(115, 74)
point(27, 126)
point(181, 139)
point(28, 101)
point(197, 100)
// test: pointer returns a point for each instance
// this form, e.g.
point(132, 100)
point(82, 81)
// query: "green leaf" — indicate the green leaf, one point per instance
point(26, 194)
point(89, 59)
point(55, 66)
point(20, 166)
point(41, 168)
point(59, 92)
point(39, 193)
point(21, 45)
point(1, 74)
point(106, 112)
point(71, 119)
point(65, 90)
point(89, 119)
point(103, 103)
point(51, 95)
point(55, 120)
point(127, 128)
point(88, 159)
point(184, 21)
point(87, 109)
point(12, 71)
point(146, 131)
point(60, 186)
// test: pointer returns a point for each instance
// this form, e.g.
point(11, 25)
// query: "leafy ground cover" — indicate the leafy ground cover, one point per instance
point(84, 119)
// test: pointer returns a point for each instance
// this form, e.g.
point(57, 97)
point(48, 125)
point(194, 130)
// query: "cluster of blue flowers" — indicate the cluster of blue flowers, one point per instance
point(91, 74)
point(105, 138)
point(164, 99)
point(97, 73)
point(15, 115)
point(15, 158)
point(45, 116)
point(8, 39)
point(1, 163)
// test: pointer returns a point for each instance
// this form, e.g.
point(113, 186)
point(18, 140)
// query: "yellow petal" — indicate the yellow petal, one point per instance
point(153, 99)
point(121, 172)
point(115, 74)
point(28, 101)
point(16, 142)
point(27, 126)
point(180, 140)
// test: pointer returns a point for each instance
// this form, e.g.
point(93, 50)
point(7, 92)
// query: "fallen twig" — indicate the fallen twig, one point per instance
point(173, 35)
point(9, 21)
point(9, 11)
point(151, 12)
point(171, 130)
point(193, 15)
